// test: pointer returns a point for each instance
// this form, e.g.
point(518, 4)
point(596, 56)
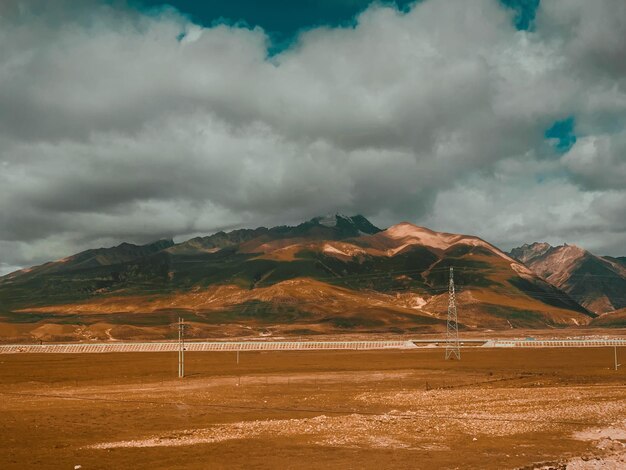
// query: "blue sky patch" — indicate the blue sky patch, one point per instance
point(283, 21)
point(561, 134)
point(525, 12)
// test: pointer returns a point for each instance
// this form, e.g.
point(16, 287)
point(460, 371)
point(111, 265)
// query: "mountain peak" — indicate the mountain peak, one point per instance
point(329, 220)
point(571, 247)
point(595, 282)
point(355, 224)
point(528, 252)
point(409, 234)
point(155, 245)
point(538, 245)
point(407, 229)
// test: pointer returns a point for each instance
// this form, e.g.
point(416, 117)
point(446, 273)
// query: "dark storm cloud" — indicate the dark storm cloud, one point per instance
point(114, 128)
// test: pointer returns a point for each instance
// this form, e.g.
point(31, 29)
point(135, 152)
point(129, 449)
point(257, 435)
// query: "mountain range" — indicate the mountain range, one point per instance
point(596, 282)
point(329, 275)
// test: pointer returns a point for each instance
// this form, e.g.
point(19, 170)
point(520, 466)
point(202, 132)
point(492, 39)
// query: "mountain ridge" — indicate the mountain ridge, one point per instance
point(96, 256)
point(334, 274)
point(596, 282)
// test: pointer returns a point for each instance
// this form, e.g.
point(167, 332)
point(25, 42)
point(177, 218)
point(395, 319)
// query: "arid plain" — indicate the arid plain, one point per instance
point(496, 408)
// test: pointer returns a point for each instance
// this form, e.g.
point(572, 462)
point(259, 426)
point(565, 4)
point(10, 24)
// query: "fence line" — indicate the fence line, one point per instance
point(81, 348)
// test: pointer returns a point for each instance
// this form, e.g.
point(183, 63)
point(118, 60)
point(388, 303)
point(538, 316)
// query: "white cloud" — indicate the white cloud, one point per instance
point(112, 129)
point(599, 161)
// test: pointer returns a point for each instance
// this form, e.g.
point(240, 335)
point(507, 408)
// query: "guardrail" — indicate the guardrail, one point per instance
point(555, 343)
point(84, 348)
point(216, 346)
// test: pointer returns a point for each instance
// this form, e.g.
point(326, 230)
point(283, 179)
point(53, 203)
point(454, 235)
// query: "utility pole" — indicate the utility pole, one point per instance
point(453, 348)
point(181, 347)
point(616, 364)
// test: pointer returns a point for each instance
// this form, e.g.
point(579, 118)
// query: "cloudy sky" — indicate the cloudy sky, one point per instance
point(132, 121)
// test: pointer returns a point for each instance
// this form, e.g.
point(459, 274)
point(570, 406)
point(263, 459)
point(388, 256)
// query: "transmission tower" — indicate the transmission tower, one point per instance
point(453, 348)
point(181, 347)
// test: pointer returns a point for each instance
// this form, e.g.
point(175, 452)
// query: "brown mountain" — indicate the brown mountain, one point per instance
point(122, 253)
point(328, 275)
point(598, 283)
point(614, 319)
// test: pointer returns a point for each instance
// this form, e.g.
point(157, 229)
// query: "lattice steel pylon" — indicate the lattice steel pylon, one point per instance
point(453, 347)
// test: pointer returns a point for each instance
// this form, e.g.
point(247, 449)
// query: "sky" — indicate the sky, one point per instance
point(134, 120)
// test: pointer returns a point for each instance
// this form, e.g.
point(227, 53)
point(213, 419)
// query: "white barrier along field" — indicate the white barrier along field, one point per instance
point(82, 348)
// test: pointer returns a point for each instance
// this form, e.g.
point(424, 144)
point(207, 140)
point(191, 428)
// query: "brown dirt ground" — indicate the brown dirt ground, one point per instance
point(378, 409)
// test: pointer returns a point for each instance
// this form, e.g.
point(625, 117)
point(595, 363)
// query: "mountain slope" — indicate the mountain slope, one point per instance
point(598, 283)
point(122, 253)
point(615, 319)
point(328, 275)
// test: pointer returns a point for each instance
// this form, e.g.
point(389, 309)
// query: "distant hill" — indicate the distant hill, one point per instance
point(615, 319)
point(596, 282)
point(334, 274)
point(85, 260)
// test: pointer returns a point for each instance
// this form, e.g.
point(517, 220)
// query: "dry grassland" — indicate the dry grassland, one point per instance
point(544, 408)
